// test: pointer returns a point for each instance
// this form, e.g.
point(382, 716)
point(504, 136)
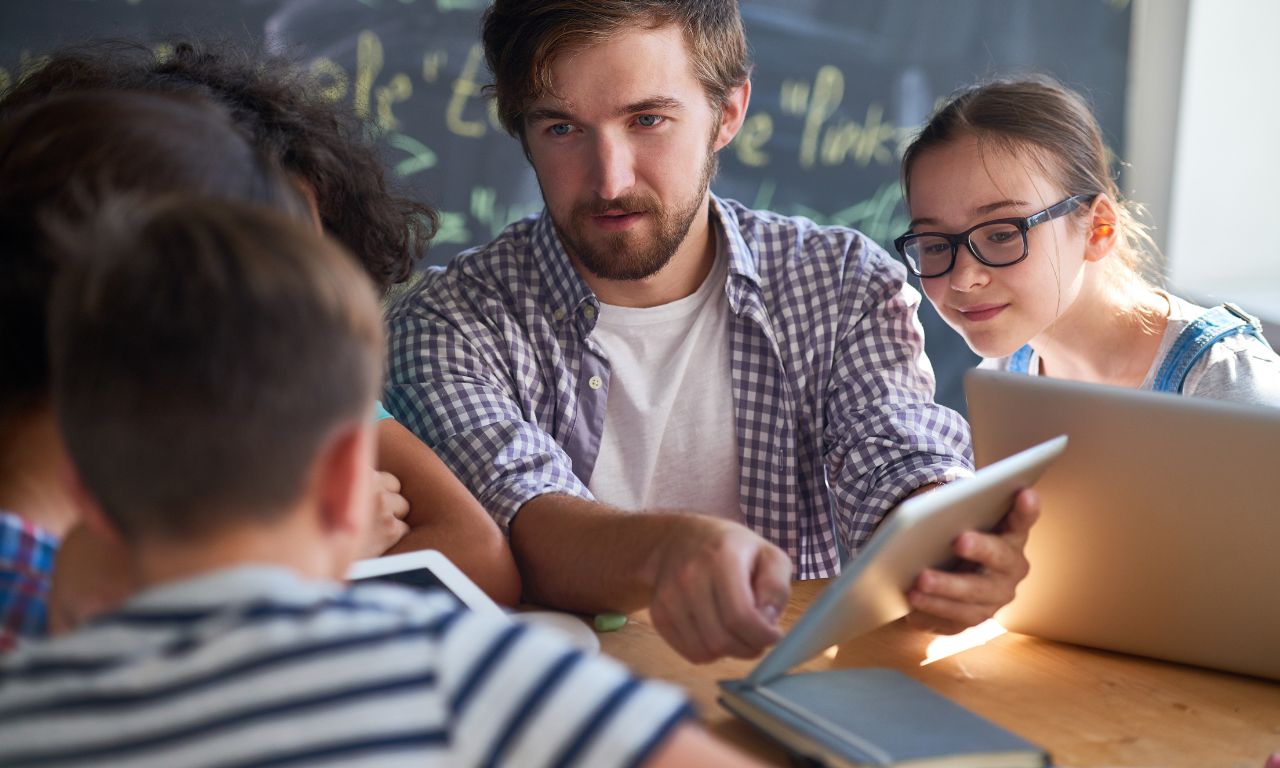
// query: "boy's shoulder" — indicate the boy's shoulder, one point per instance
point(284, 677)
point(222, 609)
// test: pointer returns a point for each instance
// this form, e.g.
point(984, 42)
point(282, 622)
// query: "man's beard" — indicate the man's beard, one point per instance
point(618, 256)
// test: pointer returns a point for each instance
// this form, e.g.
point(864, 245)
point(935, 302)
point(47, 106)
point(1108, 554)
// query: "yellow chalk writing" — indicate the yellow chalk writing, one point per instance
point(330, 79)
point(432, 64)
point(750, 141)
point(420, 155)
point(794, 97)
point(399, 89)
point(453, 229)
point(828, 92)
point(879, 217)
point(465, 88)
point(368, 65)
point(873, 139)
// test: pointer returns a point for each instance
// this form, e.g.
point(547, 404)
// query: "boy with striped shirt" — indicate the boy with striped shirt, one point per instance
point(214, 366)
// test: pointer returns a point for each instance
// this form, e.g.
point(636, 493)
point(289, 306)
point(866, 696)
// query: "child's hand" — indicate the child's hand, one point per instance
point(389, 512)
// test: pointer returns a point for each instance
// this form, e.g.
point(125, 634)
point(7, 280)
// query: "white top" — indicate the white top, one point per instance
point(255, 666)
point(1238, 368)
point(669, 438)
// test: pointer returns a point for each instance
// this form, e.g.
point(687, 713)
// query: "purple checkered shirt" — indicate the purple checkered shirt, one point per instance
point(493, 365)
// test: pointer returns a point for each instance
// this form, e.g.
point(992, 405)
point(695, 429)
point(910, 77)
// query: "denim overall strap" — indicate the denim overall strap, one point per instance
point(1196, 339)
point(1020, 361)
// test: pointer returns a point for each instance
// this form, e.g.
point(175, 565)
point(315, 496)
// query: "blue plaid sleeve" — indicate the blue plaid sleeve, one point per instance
point(451, 383)
point(26, 567)
point(886, 436)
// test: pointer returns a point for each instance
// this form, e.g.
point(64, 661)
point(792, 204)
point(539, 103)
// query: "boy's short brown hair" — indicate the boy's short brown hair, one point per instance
point(522, 38)
point(203, 352)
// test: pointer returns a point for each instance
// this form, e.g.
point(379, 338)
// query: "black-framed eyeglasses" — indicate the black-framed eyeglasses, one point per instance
point(996, 243)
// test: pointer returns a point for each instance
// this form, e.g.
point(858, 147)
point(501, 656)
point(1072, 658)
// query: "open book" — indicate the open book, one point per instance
point(879, 716)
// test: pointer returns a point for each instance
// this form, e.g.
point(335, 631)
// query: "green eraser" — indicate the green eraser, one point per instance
point(609, 622)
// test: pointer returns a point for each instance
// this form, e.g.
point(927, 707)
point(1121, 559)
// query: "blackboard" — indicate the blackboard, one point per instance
point(839, 85)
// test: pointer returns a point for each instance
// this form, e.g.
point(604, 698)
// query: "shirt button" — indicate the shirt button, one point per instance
point(595, 382)
point(558, 314)
point(589, 312)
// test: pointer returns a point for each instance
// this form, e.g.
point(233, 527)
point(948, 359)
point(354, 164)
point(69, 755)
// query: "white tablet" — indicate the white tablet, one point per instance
point(429, 569)
point(917, 534)
point(425, 569)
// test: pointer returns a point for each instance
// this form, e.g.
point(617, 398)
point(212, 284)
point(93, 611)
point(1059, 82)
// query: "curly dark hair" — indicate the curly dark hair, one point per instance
point(274, 102)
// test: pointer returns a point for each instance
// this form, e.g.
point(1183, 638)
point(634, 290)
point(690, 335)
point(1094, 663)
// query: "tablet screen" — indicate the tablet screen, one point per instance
point(425, 569)
point(419, 578)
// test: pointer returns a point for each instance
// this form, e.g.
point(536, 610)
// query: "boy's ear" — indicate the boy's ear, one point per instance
point(342, 481)
point(1103, 231)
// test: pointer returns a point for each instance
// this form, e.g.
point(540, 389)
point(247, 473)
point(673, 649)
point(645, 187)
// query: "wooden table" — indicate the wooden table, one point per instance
point(1087, 707)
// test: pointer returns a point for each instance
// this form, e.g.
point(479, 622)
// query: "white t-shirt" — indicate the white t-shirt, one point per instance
point(1238, 368)
point(670, 440)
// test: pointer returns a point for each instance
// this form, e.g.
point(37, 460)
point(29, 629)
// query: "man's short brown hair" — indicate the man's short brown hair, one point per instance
point(203, 352)
point(522, 39)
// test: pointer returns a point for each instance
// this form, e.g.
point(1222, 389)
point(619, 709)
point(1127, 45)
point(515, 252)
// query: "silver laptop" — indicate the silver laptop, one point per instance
point(1160, 526)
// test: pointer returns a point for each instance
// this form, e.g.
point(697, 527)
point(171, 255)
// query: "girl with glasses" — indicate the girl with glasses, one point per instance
point(1023, 244)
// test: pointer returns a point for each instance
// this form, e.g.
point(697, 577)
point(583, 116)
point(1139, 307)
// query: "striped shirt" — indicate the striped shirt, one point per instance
point(26, 567)
point(493, 365)
point(253, 666)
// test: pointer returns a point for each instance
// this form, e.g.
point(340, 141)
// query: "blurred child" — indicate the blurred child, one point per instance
point(214, 367)
point(323, 149)
point(60, 156)
point(1023, 244)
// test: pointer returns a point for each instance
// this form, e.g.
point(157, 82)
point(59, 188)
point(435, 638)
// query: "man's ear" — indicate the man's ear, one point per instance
point(342, 480)
point(732, 113)
point(1103, 228)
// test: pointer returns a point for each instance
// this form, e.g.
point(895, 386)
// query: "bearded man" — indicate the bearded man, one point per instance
point(663, 397)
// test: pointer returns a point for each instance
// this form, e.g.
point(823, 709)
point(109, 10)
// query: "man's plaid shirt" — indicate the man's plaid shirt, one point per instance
point(493, 365)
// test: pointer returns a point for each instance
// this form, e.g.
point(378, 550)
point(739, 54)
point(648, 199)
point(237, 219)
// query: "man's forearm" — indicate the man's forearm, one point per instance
point(713, 587)
point(584, 556)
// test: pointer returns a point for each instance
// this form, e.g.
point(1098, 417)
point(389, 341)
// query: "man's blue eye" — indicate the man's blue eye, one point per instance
point(648, 121)
point(561, 129)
